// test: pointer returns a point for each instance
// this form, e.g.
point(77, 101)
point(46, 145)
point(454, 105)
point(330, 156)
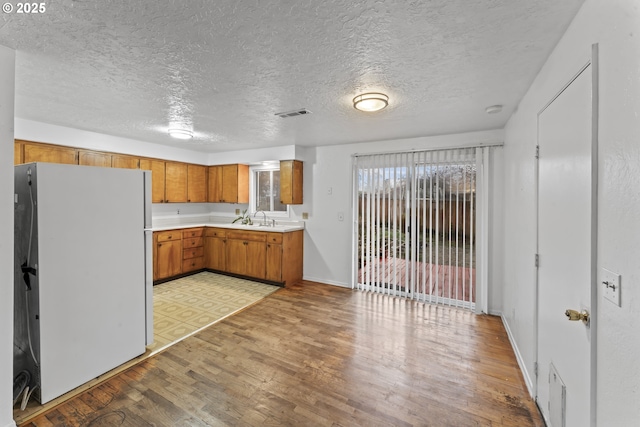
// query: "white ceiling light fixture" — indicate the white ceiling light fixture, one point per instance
point(494, 109)
point(370, 102)
point(181, 133)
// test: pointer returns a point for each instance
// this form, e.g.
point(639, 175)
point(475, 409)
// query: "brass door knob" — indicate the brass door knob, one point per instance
point(574, 315)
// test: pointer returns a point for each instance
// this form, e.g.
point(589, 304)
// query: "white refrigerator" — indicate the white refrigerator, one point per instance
point(83, 284)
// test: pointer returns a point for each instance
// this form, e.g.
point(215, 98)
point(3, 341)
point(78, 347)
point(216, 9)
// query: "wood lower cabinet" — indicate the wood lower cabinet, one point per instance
point(274, 257)
point(271, 256)
point(49, 154)
point(215, 249)
point(168, 254)
point(192, 250)
point(246, 253)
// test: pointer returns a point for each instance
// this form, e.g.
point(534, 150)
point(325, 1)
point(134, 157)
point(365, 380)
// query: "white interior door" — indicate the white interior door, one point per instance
point(565, 243)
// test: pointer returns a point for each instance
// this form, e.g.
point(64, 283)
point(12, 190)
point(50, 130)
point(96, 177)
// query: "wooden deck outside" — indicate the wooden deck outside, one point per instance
point(446, 281)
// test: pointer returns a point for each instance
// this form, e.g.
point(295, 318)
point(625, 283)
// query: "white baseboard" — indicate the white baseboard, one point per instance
point(325, 281)
point(516, 350)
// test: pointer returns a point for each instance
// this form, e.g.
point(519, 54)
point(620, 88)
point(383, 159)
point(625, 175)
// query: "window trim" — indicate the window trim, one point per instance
point(252, 190)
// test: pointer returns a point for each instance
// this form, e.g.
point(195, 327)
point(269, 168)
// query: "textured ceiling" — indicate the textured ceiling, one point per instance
point(223, 68)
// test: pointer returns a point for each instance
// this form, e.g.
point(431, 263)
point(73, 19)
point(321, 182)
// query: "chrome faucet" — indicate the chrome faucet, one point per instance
point(264, 217)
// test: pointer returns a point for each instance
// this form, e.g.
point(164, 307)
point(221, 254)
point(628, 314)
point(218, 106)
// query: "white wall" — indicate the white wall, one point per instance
point(7, 88)
point(614, 25)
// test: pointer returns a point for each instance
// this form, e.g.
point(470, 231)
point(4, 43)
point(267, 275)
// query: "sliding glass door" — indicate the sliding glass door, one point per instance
point(416, 225)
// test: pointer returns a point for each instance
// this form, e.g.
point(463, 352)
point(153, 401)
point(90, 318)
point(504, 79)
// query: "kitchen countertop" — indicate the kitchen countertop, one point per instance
point(279, 228)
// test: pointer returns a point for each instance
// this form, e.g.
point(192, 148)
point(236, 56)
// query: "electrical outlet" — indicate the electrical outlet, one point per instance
point(305, 215)
point(237, 211)
point(340, 216)
point(611, 283)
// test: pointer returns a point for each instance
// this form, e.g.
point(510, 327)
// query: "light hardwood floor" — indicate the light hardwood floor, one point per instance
point(320, 355)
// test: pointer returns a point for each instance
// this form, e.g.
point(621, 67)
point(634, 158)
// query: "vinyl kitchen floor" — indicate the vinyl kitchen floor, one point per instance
point(184, 306)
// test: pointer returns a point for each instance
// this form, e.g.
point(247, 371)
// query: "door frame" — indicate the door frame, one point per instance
point(593, 63)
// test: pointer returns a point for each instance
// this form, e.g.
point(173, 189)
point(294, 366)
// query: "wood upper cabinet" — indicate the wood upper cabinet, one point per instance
point(168, 254)
point(49, 154)
point(175, 180)
point(229, 184)
point(196, 183)
point(17, 153)
point(157, 178)
point(124, 162)
point(291, 182)
point(94, 158)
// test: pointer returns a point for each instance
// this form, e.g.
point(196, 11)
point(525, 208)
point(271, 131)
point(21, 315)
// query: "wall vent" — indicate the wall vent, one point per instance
point(300, 112)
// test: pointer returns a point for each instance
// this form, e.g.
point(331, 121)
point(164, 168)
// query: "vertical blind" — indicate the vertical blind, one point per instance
point(416, 224)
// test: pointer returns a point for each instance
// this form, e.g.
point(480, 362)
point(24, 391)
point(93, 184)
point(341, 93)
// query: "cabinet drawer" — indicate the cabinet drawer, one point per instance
point(192, 264)
point(274, 237)
point(192, 252)
point(254, 236)
point(195, 242)
point(164, 236)
point(215, 232)
point(192, 232)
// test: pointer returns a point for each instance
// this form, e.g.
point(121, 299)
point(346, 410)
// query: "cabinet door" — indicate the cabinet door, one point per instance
point(215, 253)
point(157, 178)
point(230, 183)
point(124, 162)
point(50, 154)
point(17, 153)
point(235, 184)
point(237, 256)
point(169, 258)
point(196, 184)
point(256, 259)
point(94, 158)
point(214, 187)
point(175, 179)
point(291, 182)
point(274, 262)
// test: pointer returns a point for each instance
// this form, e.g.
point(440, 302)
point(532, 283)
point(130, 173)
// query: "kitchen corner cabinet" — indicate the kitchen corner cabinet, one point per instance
point(291, 182)
point(157, 178)
point(122, 161)
point(94, 158)
point(175, 182)
point(228, 184)
point(167, 254)
point(196, 183)
point(49, 154)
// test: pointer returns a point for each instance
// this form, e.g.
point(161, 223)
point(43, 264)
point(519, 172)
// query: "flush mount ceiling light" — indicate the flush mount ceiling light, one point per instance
point(494, 109)
point(181, 133)
point(371, 101)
